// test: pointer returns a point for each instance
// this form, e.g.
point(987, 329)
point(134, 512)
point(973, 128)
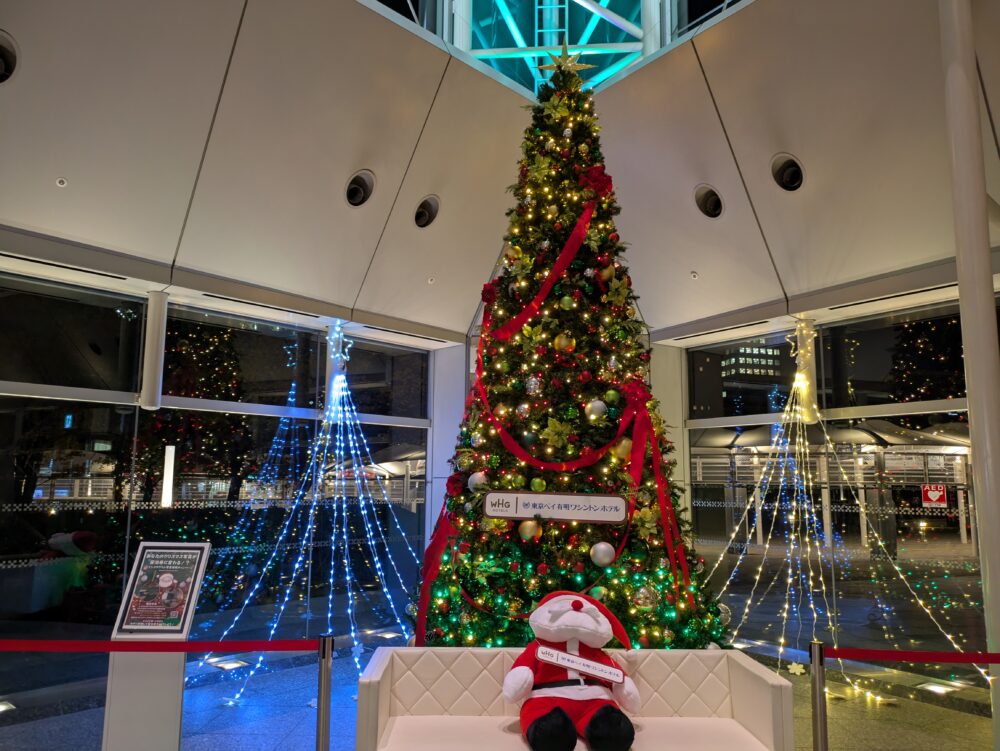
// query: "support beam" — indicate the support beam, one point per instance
point(612, 48)
point(611, 17)
point(976, 304)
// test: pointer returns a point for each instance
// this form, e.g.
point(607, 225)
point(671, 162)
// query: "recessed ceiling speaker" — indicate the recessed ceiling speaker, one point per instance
point(787, 172)
point(427, 211)
point(360, 187)
point(709, 201)
point(8, 56)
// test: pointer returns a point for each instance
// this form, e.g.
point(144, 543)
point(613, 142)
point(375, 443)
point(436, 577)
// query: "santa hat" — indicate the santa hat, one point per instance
point(617, 629)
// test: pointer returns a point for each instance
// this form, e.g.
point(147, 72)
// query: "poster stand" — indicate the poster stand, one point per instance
point(145, 694)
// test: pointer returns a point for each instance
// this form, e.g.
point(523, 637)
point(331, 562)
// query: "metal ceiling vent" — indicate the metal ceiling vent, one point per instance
point(427, 211)
point(360, 187)
point(709, 201)
point(787, 172)
point(8, 56)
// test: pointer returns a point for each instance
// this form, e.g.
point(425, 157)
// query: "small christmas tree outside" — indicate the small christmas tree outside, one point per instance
point(560, 419)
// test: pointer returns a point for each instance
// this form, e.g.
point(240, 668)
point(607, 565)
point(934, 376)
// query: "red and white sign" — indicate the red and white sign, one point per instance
point(580, 664)
point(934, 496)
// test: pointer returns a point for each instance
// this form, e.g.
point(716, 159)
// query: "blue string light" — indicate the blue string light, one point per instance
point(322, 483)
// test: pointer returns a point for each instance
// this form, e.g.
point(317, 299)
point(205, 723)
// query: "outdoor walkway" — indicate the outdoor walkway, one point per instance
point(276, 716)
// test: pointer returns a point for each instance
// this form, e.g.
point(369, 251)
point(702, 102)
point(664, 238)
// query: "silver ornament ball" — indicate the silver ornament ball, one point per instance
point(533, 385)
point(477, 480)
point(595, 409)
point(602, 554)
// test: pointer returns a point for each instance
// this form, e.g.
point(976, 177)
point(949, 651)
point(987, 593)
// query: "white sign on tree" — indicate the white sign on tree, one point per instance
point(599, 509)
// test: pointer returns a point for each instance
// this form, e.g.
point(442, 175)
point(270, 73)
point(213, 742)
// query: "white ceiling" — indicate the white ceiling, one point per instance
point(141, 109)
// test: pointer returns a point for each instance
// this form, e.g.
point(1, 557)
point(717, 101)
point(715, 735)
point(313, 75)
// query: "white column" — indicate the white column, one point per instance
point(758, 502)
point(650, 26)
point(824, 478)
point(859, 478)
point(976, 304)
point(446, 408)
point(152, 350)
point(462, 24)
point(668, 382)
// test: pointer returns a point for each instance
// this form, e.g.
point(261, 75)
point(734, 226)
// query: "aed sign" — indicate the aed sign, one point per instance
point(934, 496)
point(581, 507)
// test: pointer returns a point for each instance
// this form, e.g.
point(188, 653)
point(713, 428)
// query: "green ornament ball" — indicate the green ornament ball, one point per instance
point(530, 438)
point(464, 462)
point(493, 461)
point(538, 484)
point(611, 396)
point(503, 366)
point(572, 412)
point(614, 413)
point(566, 303)
point(598, 593)
point(518, 481)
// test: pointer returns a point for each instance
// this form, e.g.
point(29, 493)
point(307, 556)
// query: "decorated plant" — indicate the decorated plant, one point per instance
point(560, 405)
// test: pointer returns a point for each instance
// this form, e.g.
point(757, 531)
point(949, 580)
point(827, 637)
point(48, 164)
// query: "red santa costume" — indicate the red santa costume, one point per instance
point(567, 626)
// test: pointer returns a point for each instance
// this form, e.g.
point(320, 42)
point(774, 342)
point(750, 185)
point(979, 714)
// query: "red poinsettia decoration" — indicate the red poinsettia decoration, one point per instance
point(597, 180)
point(490, 292)
point(455, 485)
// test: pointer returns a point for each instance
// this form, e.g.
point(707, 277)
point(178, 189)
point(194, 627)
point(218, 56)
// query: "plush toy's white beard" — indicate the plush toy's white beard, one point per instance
point(564, 624)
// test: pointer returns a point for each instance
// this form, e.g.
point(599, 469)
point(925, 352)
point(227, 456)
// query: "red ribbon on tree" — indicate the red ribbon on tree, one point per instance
point(443, 529)
point(573, 243)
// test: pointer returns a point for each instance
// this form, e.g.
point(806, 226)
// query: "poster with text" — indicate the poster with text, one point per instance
point(162, 591)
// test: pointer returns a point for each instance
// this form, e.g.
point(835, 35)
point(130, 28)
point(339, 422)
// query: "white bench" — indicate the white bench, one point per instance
point(448, 699)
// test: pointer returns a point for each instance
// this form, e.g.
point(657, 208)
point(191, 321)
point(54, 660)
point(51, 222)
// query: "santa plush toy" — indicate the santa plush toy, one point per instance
point(570, 687)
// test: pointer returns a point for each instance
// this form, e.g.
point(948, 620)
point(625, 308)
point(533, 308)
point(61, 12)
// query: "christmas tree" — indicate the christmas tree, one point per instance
point(200, 362)
point(560, 405)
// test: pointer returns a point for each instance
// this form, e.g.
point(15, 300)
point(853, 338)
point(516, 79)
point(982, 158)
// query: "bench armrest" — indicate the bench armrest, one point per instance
point(374, 689)
point(762, 702)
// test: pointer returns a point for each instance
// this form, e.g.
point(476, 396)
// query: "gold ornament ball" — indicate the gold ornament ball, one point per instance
point(564, 342)
point(725, 614)
point(529, 529)
point(646, 598)
point(607, 273)
point(623, 449)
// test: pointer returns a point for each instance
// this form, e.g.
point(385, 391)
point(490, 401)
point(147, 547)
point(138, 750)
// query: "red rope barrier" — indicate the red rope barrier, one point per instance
point(911, 655)
point(86, 645)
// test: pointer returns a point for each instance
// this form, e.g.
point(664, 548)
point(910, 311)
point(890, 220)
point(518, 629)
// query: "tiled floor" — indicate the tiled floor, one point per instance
point(275, 716)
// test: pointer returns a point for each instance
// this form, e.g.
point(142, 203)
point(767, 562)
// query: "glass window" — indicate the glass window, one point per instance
point(232, 359)
point(64, 480)
point(907, 357)
point(66, 336)
point(388, 380)
point(728, 379)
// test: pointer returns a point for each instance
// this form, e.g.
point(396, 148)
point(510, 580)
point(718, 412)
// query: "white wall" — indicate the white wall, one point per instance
point(447, 402)
point(668, 372)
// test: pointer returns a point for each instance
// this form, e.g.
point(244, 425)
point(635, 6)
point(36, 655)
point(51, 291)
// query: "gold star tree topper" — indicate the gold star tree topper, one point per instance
point(564, 61)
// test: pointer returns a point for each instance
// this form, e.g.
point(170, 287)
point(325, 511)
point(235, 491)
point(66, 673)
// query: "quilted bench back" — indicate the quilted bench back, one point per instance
point(442, 681)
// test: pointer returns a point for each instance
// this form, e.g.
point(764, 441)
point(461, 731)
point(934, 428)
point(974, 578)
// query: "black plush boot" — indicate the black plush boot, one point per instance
point(610, 730)
point(552, 732)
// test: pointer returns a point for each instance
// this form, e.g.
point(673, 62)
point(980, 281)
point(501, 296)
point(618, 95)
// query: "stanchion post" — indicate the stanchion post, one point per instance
point(323, 700)
point(820, 740)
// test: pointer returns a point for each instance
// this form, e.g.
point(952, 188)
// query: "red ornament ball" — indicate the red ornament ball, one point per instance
point(463, 548)
point(613, 237)
point(644, 641)
point(543, 569)
point(578, 567)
